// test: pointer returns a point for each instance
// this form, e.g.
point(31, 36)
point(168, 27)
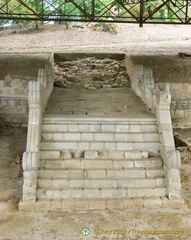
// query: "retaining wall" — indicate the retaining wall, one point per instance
point(181, 104)
point(16, 72)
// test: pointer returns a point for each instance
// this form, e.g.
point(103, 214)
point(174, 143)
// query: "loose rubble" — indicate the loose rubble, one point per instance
point(91, 73)
point(183, 144)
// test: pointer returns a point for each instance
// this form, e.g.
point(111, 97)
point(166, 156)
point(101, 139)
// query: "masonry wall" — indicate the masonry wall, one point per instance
point(16, 71)
point(181, 104)
point(14, 101)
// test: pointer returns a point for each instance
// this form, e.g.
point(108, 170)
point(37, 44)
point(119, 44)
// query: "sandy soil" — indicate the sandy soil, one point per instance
point(154, 46)
point(151, 39)
point(20, 67)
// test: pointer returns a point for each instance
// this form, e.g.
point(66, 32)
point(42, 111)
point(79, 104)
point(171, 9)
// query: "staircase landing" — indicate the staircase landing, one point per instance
point(108, 102)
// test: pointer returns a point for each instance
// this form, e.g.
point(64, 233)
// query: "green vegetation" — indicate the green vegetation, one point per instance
point(66, 11)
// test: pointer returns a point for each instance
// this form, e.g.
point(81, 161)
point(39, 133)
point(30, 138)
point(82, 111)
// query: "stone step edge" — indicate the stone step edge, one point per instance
point(92, 141)
point(55, 118)
point(102, 159)
point(70, 205)
point(101, 179)
point(97, 188)
point(100, 132)
point(102, 154)
point(98, 169)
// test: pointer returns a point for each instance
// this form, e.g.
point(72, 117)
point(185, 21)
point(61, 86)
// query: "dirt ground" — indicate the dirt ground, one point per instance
point(153, 46)
point(152, 40)
point(17, 66)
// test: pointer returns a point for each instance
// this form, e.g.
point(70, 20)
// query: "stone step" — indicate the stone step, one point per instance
point(100, 127)
point(100, 145)
point(134, 154)
point(100, 163)
point(79, 204)
point(109, 173)
point(54, 123)
point(100, 183)
point(100, 136)
point(72, 193)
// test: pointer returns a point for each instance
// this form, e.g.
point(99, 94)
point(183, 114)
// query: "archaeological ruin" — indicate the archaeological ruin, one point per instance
point(100, 131)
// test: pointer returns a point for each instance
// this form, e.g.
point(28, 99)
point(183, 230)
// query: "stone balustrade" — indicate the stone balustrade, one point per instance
point(38, 95)
point(158, 98)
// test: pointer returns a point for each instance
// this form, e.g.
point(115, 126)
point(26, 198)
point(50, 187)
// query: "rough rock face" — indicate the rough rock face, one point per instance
point(92, 73)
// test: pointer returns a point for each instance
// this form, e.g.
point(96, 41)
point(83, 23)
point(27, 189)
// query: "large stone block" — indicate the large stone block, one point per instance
point(8, 81)
point(57, 137)
point(16, 83)
point(124, 146)
point(167, 203)
point(153, 202)
point(1, 83)
point(178, 113)
point(125, 183)
point(87, 136)
point(135, 128)
point(47, 136)
point(96, 164)
point(122, 128)
point(83, 127)
point(90, 154)
point(42, 206)
point(135, 154)
point(140, 146)
point(154, 173)
point(109, 145)
point(84, 146)
point(72, 163)
point(107, 128)
point(115, 154)
point(123, 163)
point(92, 193)
point(56, 205)
point(94, 127)
point(103, 136)
point(72, 193)
point(71, 136)
point(167, 138)
point(95, 204)
point(115, 204)
point(72, 127)
point(145, 183)
point(96, 174)
point(140, 192)
point(187, 86)
point(26, 206)
point(49, 154)
point(96, 146)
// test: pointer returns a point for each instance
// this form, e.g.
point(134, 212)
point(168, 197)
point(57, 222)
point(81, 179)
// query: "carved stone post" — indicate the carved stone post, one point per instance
point(31, 156)
point(170, 156)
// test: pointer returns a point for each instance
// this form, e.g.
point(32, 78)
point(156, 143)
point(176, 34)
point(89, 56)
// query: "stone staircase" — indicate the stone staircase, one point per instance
point(96, 161)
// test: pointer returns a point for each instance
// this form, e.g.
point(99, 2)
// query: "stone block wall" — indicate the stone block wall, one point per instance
point(16, 72)
point(181, 104)
point(14, 101)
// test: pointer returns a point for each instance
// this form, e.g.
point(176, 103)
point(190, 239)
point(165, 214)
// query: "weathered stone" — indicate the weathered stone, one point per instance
point(8, 81)
point(65, 154)
point(91, 73)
